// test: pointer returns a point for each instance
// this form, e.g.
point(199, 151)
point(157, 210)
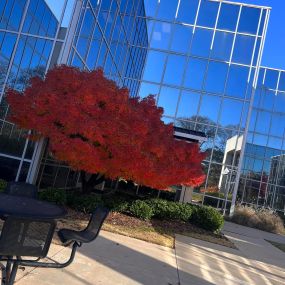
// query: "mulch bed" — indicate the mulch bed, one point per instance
point(77, 221)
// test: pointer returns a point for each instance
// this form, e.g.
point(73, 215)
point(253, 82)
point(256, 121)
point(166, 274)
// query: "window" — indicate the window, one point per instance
point(231, 113)
point(188, 104)
point(243, 49)
point(281, 86)
point(167, 9)
point(161, 35)
point(181, 38)
point(148, 89)
point(216, 77)
point(187, 11)
point(195, 73)
point(154, 66)
point(237, 81)
point(210, 106)
point(207, 13)
point(249, 20)
point(263, 122)
point(150, 7)
point(222, 47)
point(271, 79)
point(168, 98)
point(279, 104)
point(228, 17)
point(174, 69)
point(201, 43)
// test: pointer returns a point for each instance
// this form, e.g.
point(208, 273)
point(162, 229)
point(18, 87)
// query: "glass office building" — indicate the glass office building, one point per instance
point(28, 31)
point(262, 177)
point(201, 59)
point(107, 34)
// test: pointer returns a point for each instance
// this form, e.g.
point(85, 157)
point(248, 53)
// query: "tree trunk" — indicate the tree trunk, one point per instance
point(88, 185)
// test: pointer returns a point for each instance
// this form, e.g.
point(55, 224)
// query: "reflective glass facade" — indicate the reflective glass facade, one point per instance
point(110, 34)
point(263, 177)
point(27, 37)
point(202, 65)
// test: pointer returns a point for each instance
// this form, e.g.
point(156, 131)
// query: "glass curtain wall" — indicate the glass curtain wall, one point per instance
point(28, 30)
point(202, 63)
point(112, 35)
point(263, 178)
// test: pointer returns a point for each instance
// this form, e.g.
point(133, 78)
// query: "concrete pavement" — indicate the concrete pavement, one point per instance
point(116, 259)
point(111, 259)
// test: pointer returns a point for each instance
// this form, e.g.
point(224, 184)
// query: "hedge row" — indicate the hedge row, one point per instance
point(204, 217)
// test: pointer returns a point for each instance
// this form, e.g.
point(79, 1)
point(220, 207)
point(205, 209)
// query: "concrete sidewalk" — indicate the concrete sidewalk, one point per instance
point(115, 259)
point(111, 259)
point(254, 244)
point(214, 264)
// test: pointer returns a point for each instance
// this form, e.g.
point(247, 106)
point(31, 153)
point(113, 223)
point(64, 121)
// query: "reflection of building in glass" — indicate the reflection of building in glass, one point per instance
point(262, 178)
point(200, 58)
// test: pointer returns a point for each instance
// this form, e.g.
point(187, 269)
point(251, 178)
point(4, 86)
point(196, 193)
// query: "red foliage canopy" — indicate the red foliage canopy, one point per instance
point(95, 126)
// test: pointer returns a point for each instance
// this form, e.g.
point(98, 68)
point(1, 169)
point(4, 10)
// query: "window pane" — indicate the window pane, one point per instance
point(222, 46)
point(181, 38)
point(216, 77)
point(167, 9)
point(148, 89)
point(228, 17)
point(8, 168)
point(195, 73)
point(187, 11)
point(282, 82)
point(271, 79)
point(161, 35)
point(237, 81)
point(154, 66)
point(231, 113)
point(267, 99)
point(201, 43)
point(249, 19)
point(188, 104)
point(279, 104)
point(207, 13)
point(210, 107)
point(243, 49)
point(263, 122)
point(150, 7)
point(277, 125)
point(168, 100)
point(174, 69)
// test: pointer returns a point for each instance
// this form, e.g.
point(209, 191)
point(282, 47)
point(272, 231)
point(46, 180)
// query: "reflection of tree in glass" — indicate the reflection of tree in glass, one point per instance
point(26, 74)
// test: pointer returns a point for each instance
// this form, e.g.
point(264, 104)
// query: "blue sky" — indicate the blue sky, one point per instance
point(274, 50)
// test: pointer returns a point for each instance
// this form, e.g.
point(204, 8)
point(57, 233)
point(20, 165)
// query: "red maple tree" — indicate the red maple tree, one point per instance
point(95, 127)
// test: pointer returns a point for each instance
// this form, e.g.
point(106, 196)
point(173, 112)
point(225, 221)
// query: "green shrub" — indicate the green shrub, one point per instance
point(141, 210)
point(54, 195)
point(168, 210)
point(207, 218)
point(3, 184)
point(116, 203)
point(84, 203)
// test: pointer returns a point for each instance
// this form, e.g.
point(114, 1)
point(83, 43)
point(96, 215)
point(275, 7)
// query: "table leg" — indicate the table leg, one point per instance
point(13, 273)
point(6, 273)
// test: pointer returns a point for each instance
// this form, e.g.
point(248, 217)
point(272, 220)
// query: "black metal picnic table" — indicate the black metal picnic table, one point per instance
point(28, 228)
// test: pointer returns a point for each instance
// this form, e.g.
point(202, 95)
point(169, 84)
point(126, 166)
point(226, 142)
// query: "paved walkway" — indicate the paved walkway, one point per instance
point(111, 259)
point(256, 261)
point(115, 259)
